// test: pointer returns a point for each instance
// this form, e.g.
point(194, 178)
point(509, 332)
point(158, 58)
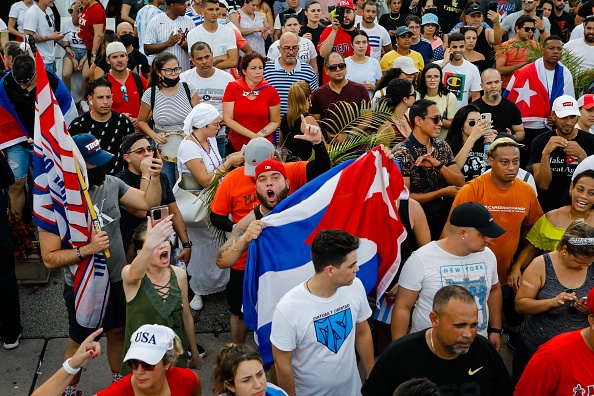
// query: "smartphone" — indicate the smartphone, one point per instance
point(158, 213)
point(340, 14)
point(493, 6)
point(331, 8)
point(486, 116)
point(156, 153)
point(451, 57)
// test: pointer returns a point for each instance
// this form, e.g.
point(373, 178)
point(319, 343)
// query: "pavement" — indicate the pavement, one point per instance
point(45, 337)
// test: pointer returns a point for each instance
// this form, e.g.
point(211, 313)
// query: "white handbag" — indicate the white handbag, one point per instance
point(193, 207)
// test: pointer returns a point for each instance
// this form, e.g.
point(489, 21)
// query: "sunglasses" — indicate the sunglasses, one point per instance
point(528, 1)
point(124, 92)
point(414, 93)
point(436, 119)
point(336, 67)
point(142, 150)
point(529, 29)
point(472, 122)
point(49, 21)
point(134, 363)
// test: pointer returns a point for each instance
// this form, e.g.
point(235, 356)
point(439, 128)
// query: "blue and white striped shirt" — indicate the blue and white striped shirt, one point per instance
point(282, 81)
point(196, 18)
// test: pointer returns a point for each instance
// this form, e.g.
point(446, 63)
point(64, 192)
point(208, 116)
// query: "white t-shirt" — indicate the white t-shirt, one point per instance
point(17, 11)
point(361, 72)
point(211, 89)
point(460, 80)
point(3, 26)
point(430, 268)
point(220, 41)
point(36, 21)
point(190, 150)
point(321, 334)
point(72, 36)
point(583, 50)
point(307, 51)
point(160, 28)
point(577, 32)
point(378, 37)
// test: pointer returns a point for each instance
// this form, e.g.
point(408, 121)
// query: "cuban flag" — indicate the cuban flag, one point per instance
point(528, 91)
point(58, 203)
point(358, 197)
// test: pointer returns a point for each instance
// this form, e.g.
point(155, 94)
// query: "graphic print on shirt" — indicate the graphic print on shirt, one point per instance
point(455, 84)
point(472, 277)
point(332, 328)
point(102, 216)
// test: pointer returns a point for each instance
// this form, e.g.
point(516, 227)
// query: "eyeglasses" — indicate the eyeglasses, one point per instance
point(24, 81)
point(142, 150)
point(124, 92)
point(414, 93)
point(49, 21)
point(468, 27)
point(436, 119)
point(170, 71)
point(529, 29)
point(134, 363)
point(294, 48)
point(336, 67)
point(432, 77)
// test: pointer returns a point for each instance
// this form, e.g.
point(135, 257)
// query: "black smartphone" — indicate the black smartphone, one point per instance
point(340, 14)
point(493, 6)
point(158, 213)
point(451, 57)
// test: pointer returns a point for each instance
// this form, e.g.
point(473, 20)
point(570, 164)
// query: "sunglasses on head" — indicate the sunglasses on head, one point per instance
point(436, 119)
point(336, 67)
point(24, 81)
point(134, 363)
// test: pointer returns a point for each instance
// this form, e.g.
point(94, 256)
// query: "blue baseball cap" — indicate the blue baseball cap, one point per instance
point(91, 150)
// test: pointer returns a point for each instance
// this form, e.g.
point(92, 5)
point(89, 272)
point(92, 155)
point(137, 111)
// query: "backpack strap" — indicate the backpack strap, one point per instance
point(187, 89)
point(153, 93)
point(139, 85)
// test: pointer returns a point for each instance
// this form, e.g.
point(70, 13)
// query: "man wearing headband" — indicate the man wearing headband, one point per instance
point(108, 126)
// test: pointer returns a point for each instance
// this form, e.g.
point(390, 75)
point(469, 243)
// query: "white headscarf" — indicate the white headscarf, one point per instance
point(200, 116)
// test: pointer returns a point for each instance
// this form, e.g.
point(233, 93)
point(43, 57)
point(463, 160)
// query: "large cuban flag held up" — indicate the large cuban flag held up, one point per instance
point(59, 206)
point(358, 197)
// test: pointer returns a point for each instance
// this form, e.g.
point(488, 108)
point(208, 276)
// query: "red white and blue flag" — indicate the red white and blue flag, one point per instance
point(59, 205)
point(358, 197)
point(528, 90)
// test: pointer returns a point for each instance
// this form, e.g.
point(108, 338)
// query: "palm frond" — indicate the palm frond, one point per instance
point(208, 196)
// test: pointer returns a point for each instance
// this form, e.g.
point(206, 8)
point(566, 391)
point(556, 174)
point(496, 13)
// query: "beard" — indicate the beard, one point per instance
point(348, 25)
point(494, 98)
point(280, 197)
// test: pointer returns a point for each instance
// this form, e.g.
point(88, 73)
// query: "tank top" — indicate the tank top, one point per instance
point(483, 46)
point(147, 307)
point(538, 329)
point(407, 246)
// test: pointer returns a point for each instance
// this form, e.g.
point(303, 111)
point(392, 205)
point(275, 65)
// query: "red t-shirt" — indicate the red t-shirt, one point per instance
point(251, 114)
point(181, 381)
point(342, 44)
point(562, 366)
point(132, 105)
point(236, 195)
point(93, 15)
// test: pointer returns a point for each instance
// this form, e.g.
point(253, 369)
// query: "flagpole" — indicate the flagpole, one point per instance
point(85, 191)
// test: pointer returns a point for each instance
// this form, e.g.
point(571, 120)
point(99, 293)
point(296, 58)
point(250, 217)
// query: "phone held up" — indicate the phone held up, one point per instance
point(158, 213)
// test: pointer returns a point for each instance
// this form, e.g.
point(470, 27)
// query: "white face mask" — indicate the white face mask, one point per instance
point(222, 21)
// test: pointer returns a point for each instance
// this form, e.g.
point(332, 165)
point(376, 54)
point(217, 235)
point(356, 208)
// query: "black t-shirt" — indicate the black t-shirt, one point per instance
point(389, 22)
point(129, 222)
point(298, 148)
point(479, 372)
point(587, 9)
point(141, 60)
point(562, 168)
point(450, 11)
point(477, 161)
point(110, 135)
point(315, 39)
point(565, 22)
point(504, 115)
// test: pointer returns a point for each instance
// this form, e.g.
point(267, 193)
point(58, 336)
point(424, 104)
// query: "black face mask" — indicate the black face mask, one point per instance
point(170, 82)
point(96, 175)
point(127, 39)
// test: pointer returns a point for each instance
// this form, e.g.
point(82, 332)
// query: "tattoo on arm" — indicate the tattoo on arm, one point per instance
point(239, 229)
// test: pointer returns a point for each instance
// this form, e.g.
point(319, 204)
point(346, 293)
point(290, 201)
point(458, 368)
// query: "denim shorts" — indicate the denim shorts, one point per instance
point(19, 158)
point(51, 67)
point(79, 53)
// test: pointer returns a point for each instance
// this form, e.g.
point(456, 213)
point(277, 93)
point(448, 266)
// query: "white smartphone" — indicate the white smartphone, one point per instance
point(486, 116)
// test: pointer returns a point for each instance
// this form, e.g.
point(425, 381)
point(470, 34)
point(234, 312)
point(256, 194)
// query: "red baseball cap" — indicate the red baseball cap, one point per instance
point(270, 165)
point(346, 4)
point(586, 101)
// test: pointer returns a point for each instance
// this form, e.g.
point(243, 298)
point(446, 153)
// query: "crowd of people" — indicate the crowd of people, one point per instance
point(492, 134)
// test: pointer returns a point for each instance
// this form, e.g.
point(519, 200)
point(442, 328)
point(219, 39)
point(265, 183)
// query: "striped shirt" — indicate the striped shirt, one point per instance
point(170, 112)
point(143, 17)
point(160, 28)
point(282, 81)
point(196, 18)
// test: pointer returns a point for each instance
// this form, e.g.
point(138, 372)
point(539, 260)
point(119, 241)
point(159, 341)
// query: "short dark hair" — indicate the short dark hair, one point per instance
point(199, 46)
point(100, 82)
point(417, 387)
point(205, 2)
point(524, 19)
point(330, 54)
point(420, 109)
point(369, 3)
point(587, 173)
point(397, 90)
point(359, 33)
point(447, 293)
point(412, 18)
point(330, 247)
point(23, 67)
point(310, 3)
point(245, 61)
point(552, 38)
point(455, 37)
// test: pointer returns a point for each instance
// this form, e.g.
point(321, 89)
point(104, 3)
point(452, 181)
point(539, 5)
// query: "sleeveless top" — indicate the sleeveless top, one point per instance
point(483, 46)
point(255, 40)
point(545, 235)
point(147, 307)
point(407, 246)
point(538, 329)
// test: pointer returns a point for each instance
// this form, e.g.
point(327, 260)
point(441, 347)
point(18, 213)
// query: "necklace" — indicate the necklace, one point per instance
point(392, 18)
point(217, 157)
point(307, 285)
point(571, 219)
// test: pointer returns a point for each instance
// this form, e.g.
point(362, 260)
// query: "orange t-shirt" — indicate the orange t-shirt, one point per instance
point(236, 195)
point(514, 56)
point(512, 209)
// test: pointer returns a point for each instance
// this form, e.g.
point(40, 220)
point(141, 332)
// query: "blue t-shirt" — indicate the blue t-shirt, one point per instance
point(423, 47)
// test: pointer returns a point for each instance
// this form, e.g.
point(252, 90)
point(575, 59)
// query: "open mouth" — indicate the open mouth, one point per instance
point(164, 257)
point(271, 195)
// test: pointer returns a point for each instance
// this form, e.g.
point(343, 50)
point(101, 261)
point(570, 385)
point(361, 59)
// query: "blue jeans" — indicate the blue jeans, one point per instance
point(51, 67)
point(169, 171)
point(19, 158)
point(221, 143)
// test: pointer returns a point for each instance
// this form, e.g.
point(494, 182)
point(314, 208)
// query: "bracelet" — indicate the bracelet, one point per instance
point(147, 178)
point(438, 167)
point(80, 257)
point(495, 330)
point(68, 368)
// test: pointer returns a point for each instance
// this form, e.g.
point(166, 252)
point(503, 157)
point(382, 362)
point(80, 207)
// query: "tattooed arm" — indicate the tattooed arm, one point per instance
point(243, 233)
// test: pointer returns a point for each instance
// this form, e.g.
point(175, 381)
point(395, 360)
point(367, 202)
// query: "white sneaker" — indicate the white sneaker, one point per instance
point(84, 106)
point(196, 303)
point(13, 345)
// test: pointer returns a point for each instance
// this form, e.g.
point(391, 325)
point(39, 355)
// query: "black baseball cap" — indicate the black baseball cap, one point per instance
point(475, 215)
point(130, 139)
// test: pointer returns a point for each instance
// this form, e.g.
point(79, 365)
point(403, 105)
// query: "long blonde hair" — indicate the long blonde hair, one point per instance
point(298, 103)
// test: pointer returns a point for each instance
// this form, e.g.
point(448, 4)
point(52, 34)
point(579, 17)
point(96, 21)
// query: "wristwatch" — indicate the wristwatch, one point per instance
point(438, 167)
point(494, 330)
point(187, 245)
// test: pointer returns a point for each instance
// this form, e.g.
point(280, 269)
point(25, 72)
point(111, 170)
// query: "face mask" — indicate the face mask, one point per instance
point(170, 82)
point(222, 21)
point(96, 175)
point(127, 39)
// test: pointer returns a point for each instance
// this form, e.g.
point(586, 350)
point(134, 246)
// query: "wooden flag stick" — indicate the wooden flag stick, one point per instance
point(85, 191)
